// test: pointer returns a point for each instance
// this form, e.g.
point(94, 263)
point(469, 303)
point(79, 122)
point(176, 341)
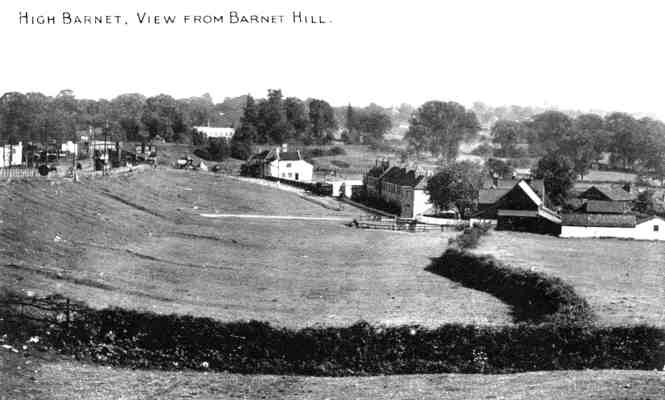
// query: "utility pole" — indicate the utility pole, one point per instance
point(106, 154)
point(92, 144)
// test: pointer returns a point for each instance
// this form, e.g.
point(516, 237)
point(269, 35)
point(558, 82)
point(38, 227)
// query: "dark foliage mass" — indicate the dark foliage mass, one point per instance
point(135, 339)
point(470, 237)
point(534, 296)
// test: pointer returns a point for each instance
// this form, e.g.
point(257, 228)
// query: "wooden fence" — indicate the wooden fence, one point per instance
point(18, 172)
point(53, 310)
point(398, 224)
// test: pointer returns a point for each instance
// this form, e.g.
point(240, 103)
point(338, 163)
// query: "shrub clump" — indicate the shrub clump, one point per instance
point(470, 237)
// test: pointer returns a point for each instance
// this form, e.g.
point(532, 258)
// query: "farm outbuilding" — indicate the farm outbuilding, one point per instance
point(524, 208)
point(612, 226)
point(11, 155)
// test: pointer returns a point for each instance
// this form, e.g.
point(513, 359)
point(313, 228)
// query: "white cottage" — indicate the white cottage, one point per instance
point(284, 164)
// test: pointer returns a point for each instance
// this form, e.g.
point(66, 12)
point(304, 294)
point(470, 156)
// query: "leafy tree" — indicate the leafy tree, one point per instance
point(127, 110)
point(558, 173)
point(626, 132)
point(322, 120)
point(247, 132)
point(547, 130)
point(161, 117)
point(14, 117)
point(271, 121)
point(372, 123)
point(507, 134)
point(457, 184)
point(440, 127)
point(654, 147)
point(296, 118)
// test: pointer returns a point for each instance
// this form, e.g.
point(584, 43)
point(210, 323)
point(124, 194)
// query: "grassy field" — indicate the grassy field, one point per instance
point(623, 280)
point(138, 242)
point(57, 378)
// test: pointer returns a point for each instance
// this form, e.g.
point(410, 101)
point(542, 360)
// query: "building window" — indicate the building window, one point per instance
point(656, 228)
point(288, 165)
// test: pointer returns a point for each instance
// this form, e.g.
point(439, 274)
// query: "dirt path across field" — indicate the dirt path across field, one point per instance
point(275, 217)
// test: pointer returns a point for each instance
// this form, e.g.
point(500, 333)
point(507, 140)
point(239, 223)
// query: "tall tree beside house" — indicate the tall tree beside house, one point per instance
point(507, 134)
point(271, 118)
point(439, 127)
point(297, 121)
point(322, 121)
point(456, 185)
point(558, 174)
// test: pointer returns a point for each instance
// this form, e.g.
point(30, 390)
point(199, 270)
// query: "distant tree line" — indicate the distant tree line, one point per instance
point(634, 144)
point(35, 117)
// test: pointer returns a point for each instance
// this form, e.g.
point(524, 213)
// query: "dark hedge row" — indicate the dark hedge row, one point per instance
point(534, 296)
point(145, 340)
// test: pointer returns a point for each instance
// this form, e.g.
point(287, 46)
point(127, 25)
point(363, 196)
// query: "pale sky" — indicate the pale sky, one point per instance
point(606, 55)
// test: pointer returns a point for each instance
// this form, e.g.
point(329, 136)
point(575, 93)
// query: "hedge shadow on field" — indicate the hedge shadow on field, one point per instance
point(534, 297)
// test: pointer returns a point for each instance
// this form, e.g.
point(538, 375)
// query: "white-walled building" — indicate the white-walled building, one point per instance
point(216, 132)
point(283, 164)
point(11, 154)
point(625, 226)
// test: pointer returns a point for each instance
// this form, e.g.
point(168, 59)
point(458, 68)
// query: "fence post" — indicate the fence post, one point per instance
point(67, 315)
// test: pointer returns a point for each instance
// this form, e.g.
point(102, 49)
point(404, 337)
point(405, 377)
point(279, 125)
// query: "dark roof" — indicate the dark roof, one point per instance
point(259, 156)
point(491, 196)
point(599, 220)
point(604, 207)
point(289, 156)
point(402, 177)
point(610, 193)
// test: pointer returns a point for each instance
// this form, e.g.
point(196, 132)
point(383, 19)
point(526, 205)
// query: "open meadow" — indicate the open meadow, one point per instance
point(138, 241)
point(623, 280)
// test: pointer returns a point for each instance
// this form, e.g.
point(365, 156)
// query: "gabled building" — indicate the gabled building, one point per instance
point(399, 186)
point(406, 189)
point(607, 193)
point(524, 207)
point(280, 163)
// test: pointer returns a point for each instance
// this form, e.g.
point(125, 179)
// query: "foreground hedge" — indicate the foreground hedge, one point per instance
point(145, 340)
point(534, 296)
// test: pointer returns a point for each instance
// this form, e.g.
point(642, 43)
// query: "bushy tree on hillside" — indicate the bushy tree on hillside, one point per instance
point(546, 130)
point(507, 134)
point(439, 127)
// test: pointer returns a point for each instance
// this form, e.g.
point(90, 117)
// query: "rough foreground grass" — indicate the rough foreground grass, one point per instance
point(623, 280)
point(60, 378)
